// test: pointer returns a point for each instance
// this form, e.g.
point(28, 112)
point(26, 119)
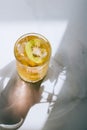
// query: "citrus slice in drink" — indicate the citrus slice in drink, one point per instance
point(35, 51)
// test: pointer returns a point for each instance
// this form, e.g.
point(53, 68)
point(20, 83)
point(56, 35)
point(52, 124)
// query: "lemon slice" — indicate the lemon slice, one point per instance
point(34, 51)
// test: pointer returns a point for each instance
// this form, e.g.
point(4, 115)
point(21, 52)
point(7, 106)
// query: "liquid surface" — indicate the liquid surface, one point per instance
point(32, 51)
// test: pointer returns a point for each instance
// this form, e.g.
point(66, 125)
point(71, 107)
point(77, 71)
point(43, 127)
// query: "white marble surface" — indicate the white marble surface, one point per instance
point(64, 23)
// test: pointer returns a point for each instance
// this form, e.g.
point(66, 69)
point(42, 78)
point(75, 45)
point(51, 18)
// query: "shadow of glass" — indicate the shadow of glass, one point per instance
point(17, 96)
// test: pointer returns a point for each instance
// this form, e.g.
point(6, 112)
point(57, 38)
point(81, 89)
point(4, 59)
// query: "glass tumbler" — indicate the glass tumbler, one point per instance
point(32, 52)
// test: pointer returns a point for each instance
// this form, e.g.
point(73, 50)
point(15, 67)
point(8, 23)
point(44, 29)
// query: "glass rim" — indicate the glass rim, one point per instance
point(34, 34)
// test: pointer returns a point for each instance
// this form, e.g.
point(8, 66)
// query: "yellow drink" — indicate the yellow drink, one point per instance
point(32, 52)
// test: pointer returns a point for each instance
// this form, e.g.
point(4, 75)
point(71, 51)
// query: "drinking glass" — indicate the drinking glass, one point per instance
point(32, 52)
